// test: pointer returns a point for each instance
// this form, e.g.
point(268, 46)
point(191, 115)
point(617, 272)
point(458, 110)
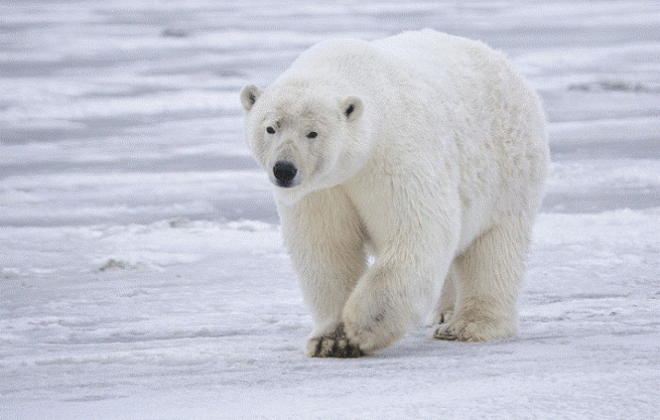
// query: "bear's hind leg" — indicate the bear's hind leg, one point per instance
point(488, 279)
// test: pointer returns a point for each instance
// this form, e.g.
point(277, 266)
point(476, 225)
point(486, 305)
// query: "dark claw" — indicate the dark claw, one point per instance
point(341, 347)
point(446, 336)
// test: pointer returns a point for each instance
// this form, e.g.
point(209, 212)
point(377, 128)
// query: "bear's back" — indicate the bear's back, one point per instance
point(343, 64)
point(422, 47)
point(443, 60)
point(415, 62)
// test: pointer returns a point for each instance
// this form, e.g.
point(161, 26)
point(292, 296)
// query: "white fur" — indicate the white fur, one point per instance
point(437, 171)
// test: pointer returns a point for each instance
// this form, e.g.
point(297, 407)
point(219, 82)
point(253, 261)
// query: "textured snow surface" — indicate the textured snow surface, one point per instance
point(142, 274)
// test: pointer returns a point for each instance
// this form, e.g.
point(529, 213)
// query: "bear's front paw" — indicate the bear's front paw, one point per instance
point(336, 344)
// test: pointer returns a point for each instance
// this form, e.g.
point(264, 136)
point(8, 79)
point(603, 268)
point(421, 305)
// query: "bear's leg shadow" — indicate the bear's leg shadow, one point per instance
point(445, 307)
point(488, 276)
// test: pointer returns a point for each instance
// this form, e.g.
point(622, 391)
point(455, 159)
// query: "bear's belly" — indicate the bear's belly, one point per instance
point(477, 218)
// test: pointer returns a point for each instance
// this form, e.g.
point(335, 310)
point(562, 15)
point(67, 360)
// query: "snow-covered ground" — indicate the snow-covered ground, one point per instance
point(142, 274)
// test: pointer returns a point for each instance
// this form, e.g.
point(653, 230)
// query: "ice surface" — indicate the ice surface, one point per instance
point(142, 274)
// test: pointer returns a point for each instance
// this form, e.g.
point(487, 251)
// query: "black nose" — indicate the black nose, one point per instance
point(284, 173)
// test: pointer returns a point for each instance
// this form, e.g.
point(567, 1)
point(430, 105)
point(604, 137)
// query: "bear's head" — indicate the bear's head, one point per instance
point(305, 142)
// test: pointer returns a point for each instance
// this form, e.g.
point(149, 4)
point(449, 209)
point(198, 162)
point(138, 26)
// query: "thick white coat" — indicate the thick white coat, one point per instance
point(430, 154)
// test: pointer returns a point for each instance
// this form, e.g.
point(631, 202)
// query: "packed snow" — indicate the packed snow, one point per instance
point(142, 272)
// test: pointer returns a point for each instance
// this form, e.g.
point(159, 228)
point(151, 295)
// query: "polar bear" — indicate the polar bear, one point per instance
point(407, 172)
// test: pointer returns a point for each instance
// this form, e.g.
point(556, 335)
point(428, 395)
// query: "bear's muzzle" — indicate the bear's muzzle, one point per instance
point(284, 173)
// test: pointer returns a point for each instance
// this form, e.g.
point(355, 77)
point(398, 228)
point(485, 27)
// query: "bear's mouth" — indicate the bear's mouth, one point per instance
point(284, 184)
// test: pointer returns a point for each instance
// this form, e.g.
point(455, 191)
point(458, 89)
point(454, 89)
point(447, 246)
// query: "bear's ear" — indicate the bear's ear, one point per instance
point(249, 95)
point(352, 108)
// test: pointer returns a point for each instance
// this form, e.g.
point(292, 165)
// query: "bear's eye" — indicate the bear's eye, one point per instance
point(270, 130)
point(312, 134)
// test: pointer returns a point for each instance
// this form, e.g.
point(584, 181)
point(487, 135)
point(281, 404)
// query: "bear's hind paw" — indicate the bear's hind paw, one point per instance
point(484, 330)
point(334, 345)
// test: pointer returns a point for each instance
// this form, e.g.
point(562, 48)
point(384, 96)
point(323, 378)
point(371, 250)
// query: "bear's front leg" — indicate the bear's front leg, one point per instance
point(386, 303)
point(325, 240)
